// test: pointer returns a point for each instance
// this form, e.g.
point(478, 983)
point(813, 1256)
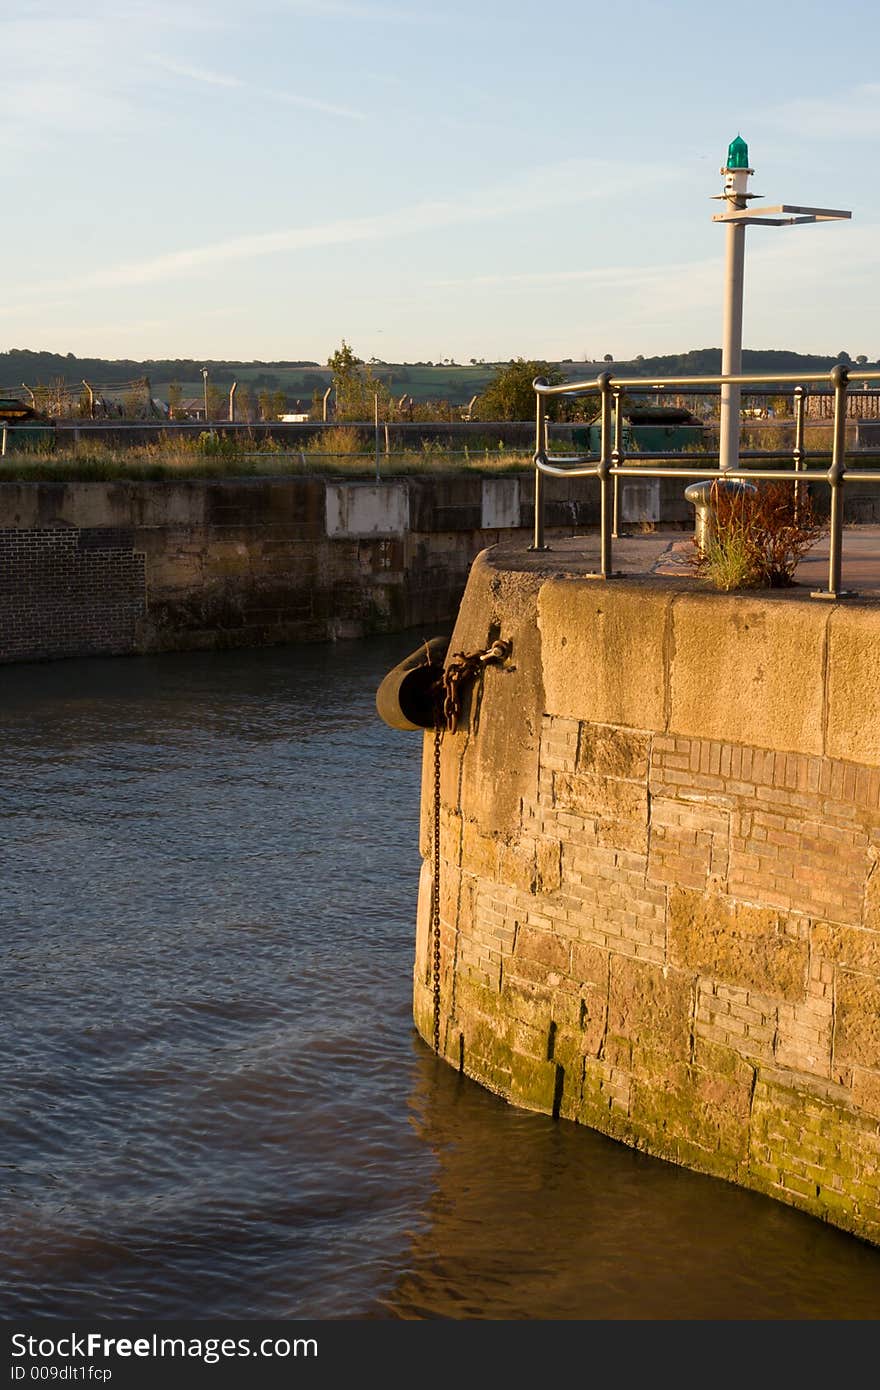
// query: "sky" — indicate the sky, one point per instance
point(465, 179)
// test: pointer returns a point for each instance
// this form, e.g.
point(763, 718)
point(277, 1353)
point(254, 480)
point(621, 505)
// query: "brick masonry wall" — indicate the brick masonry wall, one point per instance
point(67, 592)
point(672, 938)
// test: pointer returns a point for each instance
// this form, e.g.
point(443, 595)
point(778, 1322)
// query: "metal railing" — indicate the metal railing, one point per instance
point(611, 464)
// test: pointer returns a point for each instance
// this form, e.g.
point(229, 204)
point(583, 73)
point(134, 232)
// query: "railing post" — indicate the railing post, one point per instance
point(839, 380)
point(798, 452)
point(603, 470)
point(616, 458)
point(540, 451)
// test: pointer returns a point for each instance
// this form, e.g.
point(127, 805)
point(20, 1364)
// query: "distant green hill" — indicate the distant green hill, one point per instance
point(298, 380)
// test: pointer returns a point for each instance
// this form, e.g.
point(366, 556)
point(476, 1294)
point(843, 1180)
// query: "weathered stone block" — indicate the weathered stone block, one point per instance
point(850, 947)
point(479, 852)
point(857, 1020)
point(732, 942)
point(853, 689)
point(605, 751)
point(590, 972)
point(749, 670)
point(620, 808)
point(535, 1003)
point(604, 652)
point(516, 864)
point(548, 865)
point(651, 1006)
point(866, 1091)
point(543, 948)
point(871, 914)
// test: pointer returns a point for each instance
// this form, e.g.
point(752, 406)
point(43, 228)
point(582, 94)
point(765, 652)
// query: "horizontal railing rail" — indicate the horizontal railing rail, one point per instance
point(610, 465)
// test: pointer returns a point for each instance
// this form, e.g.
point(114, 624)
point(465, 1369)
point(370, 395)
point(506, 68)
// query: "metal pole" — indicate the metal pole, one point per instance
point(839, 379)
point(615, 458)
point(3, 445)
point(326, 395)
point(232, 402)
point(205, 384)
point(376, 430)
point(731, 342)
point(799, 404)
point(605, 498)
point(540, 450)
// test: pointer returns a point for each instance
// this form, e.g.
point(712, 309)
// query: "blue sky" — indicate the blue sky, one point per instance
point(487, 179)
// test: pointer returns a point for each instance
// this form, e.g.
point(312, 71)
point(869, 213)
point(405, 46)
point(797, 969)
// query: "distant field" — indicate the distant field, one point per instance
point(458, 385)
point(299, 380)
point(454, 384)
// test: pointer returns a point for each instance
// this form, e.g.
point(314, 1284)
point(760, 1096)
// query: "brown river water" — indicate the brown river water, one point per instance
point(213, 1103)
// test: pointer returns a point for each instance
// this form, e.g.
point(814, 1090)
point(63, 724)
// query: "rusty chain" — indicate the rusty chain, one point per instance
point(435, 885)
point(459, 667)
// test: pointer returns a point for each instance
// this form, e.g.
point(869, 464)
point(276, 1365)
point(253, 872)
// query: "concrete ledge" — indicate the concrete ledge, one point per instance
point(854, 684)
point(749, 669)
point(604, 651)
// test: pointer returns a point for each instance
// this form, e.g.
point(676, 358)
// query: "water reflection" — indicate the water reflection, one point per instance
point(536, 1218)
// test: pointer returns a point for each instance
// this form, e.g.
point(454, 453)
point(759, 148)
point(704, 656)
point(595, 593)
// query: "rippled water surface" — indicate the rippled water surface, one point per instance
point(212, 1100)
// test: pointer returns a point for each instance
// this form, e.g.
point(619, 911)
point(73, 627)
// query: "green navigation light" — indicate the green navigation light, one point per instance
point(738, 154)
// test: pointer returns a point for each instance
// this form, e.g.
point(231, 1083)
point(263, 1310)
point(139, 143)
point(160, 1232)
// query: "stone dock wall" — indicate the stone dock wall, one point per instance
point(128, 567)
point(101, 568)
point(660, 893)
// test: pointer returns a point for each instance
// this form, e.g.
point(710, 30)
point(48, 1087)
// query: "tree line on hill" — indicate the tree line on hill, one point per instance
point(39, 368)
point(358, 389)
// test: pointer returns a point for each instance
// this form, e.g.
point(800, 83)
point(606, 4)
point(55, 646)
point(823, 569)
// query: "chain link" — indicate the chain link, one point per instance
point(435, 887)
point(460, 667)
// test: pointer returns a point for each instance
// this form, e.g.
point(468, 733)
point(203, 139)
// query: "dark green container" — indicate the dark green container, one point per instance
point(649, 429)
point(26, 431)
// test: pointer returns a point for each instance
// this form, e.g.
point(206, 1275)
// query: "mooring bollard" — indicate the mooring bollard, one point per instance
point(702, 495)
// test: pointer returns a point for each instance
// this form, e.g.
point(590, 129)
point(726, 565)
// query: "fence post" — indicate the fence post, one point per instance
point(839, 380)
point(616, 457)
point(800, 401)
point(603, 470)
point(376, 430)
point(540, 451)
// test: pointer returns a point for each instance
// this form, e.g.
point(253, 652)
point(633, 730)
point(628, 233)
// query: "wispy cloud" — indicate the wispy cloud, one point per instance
point(313, 104)
point(787, 270)
point(540, 279)
point(195, 74)
point(570, 182)
point(71, 70)
point(368, 12)
point(219, 79)
point(854, 114)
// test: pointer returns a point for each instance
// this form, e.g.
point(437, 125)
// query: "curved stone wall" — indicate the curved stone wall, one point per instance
point(660, 906)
